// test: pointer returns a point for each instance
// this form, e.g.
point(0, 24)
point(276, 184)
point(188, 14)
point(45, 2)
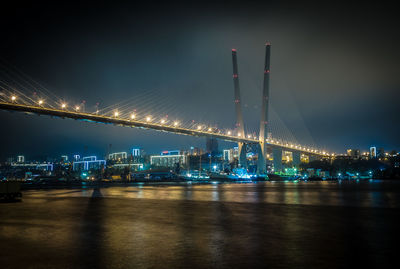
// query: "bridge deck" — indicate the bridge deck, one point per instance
point(92, 117)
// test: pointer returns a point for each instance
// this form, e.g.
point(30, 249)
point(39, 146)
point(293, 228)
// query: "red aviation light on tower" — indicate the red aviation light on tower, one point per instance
point(233, 50)
point(267, 43)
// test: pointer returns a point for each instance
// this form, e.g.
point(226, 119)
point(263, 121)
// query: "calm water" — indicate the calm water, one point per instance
point(255, 225)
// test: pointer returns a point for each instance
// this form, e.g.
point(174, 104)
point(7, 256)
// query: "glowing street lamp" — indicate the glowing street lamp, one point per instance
point(116, 114)
point(209, 129)
point(63, 105)
point(133, 116)
point(77, 108)
point(148, 118)
point(13, 98)
point(40, 102)
point(162, 121)
point(199, 127)
point(176, 123)
point(229, 132)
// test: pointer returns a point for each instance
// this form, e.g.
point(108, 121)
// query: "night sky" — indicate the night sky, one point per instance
point(335, 70)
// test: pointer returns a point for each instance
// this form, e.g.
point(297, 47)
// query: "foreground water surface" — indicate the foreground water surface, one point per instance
point(252, 225)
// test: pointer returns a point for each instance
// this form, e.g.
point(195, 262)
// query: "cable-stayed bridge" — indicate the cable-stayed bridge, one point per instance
point(13, 98)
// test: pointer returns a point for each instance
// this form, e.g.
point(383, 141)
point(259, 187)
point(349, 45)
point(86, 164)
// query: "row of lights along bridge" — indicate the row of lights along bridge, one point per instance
point(202, 128)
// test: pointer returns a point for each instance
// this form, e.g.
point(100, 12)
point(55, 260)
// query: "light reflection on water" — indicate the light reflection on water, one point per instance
point(255, 225)
point(362, 194)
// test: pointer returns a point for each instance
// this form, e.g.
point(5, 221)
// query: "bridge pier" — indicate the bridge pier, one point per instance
point(242, 154)
point(261, 166)
point(277, 156)
point(296, 158)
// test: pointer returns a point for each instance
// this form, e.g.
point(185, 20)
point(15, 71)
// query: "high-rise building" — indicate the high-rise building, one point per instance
point(228, 155)
point(212, 145)
point(20, 159)
point(372, 152)
point(136, 152)
point(235, 152)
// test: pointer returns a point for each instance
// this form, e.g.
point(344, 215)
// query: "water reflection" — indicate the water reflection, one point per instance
point(257, 225)
point(362, 194)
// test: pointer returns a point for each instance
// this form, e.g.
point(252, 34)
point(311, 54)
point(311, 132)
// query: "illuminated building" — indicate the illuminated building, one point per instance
point(136, 152)
point(372, 152)
point(228, 156)
point(117, 156)
point(64, 158)
point(168, 159)
point(20, 159)
point(235, 152)
point(88, 163)
point(34, 166)
point(195, 151)
point(353, 153)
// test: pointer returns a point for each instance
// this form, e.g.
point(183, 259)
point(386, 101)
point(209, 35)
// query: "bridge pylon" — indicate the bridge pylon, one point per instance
point(238, 109)
point(261, 167)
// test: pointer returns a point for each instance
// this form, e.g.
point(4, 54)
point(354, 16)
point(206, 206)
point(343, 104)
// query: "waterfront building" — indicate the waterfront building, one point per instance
point(88, 163)
point(168, 159)
point(118, 156)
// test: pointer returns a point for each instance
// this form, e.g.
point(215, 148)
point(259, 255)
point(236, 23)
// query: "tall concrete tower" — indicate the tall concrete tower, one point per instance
point(238, 109)
point(264, 112)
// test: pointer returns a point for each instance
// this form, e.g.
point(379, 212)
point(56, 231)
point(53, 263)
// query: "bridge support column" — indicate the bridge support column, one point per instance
point(261, 166)
point(242, 155)
point(277, 155)
point(296, 158)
